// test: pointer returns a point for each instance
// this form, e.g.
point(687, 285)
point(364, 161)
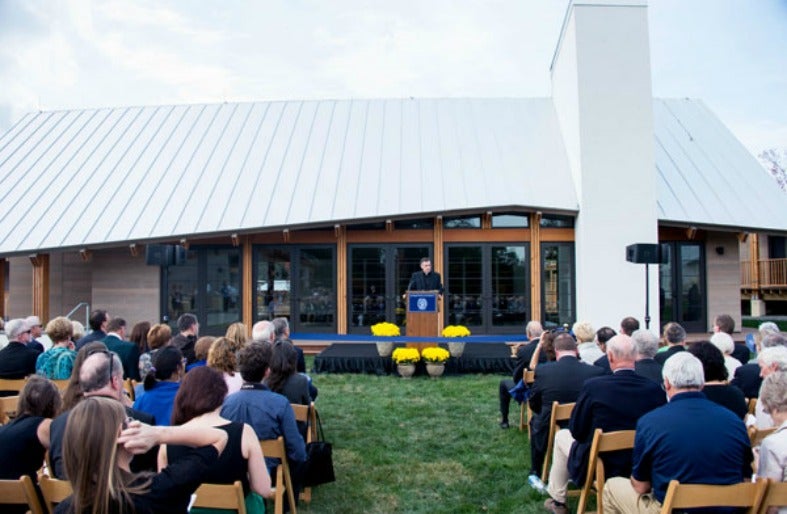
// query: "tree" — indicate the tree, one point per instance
point(776, 163)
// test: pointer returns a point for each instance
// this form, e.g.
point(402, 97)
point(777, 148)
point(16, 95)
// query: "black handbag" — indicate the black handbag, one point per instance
point(319, 463)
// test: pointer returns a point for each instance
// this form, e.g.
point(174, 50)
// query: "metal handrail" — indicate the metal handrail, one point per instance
point(87, 312)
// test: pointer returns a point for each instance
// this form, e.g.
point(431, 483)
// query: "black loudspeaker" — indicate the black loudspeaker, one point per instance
point(157, 255)
point(643, 253)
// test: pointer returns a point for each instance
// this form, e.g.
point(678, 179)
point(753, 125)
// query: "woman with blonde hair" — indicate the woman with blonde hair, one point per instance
point(222, 356)
point(57, 362)
point(588, 350)
point(159, 336)
point(236, 333)
point(98, 445)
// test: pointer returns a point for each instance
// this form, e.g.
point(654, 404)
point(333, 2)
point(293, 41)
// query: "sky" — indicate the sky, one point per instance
point(71, 54)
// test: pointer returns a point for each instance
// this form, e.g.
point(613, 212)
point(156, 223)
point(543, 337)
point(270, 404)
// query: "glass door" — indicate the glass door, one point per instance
point(682, 285)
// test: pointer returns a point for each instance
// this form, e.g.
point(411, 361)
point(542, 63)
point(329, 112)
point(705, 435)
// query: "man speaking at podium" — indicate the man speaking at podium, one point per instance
point(426, 279)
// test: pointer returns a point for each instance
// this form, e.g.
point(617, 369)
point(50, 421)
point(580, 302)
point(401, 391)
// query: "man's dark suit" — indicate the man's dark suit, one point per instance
point(612, 402)
point(96, 335)
point(661, 357)
point(423, 282)
point(603, 362)
point(128, 353)
point(144, 462)
point(649, 368)
point(523, 356)
point(741, 352)
point(747, 379)
point(558, 381)
point(17, 360)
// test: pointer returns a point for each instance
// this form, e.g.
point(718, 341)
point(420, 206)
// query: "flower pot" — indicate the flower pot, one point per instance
point(435, 369)
point(406, 370)
point(384, 349)
point(456, 349)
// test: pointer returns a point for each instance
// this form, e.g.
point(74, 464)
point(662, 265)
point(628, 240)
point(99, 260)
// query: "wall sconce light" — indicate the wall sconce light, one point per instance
point(134, 249)
point(235, 240)
point(719, 250)
point(184, 243)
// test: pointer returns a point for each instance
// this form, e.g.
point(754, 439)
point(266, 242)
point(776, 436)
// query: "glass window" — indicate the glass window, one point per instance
point(464, 285)
point(557, 284)
point(183, 287)
point(462, 222)
point(367, 286)
point(556, 221)
point(510, 221)
point(414, 224)
point(316, 289)
point(273, 283)
point(509, 286)
point(223, 294)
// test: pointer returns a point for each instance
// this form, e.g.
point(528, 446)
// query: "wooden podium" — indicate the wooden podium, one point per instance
point(422, 316)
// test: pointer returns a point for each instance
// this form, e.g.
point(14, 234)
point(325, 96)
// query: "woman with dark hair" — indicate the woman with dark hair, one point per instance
point(717, 389)
point(139, 336)
point(161, 384)
point(546, 344)
point(98, 445)
point(73, 393)
point(24, 441)
point(199, 403)
point(283, 378)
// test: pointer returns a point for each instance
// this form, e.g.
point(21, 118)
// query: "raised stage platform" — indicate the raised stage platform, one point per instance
point(363, 358)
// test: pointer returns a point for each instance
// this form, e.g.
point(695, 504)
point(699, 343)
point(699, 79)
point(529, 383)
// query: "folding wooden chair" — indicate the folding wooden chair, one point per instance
point(12, 384)
point(560, 412)
point(8, 408)
point(775, 496)
point(128, 386)
point(60, 384)
point(20, 492)
point(54, 491)
point(752, 404)
point(221, 496)
point(274, 448)
point(756, 435)
point(529, 377)
point(690, 496)
point(303, 415)
point(595, 478)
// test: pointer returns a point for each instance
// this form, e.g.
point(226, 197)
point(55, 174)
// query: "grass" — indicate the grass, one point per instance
point(421, 445)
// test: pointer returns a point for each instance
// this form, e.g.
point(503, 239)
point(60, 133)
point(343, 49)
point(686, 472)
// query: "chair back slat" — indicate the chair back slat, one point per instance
point(20, 492)
point(691, 496)
point(775, 496)
point(560, 412)
point(274, 448)
point(221, 496)
point(54, 491)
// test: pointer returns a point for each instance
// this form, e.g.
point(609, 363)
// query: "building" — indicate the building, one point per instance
point(320, 210)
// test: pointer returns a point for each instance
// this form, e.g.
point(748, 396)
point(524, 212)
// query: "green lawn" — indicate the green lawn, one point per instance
point(421, 445)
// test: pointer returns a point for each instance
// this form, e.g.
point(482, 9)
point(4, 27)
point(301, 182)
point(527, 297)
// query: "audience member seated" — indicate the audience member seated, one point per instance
point(691, 440)
point(558, 381)
point(603, 335)
point(723, 323)
point(647, 346)
point(98, 461)
point(747, 377)
point(34, 322)
point(57, 363)
point(281, 330)
point(629, 325)
point(16, 359)
point(770, 360)
point(222, 357)
point(524, 353)
point(126, 350)
point(675, 335)
point(97, 372)
point(161, 384)
point(24, 440)
point(79, 332)
point(201, 349)
point(772, 461)
point(716, 387)
point(268, 413)
point(588, 350)
point(98, 325)
point(236, 333)
point(724, 342)
point(198, 403)
point(545, 349)
point(159, 336)
point(139, 336)
point(188, 328)
point(609, 402)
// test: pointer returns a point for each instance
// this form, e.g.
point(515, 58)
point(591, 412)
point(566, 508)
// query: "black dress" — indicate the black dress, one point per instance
point(728, 396)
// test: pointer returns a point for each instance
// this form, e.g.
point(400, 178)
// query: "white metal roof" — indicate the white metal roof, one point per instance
point(83, 178)
point(706, 177)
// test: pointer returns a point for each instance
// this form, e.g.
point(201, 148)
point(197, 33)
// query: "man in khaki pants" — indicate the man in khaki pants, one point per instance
point(691, 439)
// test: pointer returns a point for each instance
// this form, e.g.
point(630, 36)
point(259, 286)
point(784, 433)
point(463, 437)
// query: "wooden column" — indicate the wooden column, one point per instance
point(341, 279)
point(247, 285)
point(41, 286)
point(754, 258)
point(535, 266)
point(2, 288)
point(439, 264)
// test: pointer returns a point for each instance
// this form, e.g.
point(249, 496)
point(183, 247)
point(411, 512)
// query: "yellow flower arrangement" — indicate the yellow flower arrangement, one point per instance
point(385, 329)
point(435, 355)
point(456, 331)
point(406, 356)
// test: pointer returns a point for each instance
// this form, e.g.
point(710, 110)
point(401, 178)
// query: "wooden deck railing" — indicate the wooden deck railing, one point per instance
point(772, 274)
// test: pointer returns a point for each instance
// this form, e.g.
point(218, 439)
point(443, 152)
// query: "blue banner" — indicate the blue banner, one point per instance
point(422, 302)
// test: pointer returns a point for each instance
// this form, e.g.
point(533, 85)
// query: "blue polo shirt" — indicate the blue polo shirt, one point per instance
point(692, 440)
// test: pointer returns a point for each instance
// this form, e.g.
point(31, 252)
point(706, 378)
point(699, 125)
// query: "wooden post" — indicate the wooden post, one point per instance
point(535, 266)
point(439, 264)
point(341, 279)
point(754, 258)
point(247, 285)
point(41, 286)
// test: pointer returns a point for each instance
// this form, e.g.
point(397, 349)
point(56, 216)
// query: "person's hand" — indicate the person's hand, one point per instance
point(138, 437)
